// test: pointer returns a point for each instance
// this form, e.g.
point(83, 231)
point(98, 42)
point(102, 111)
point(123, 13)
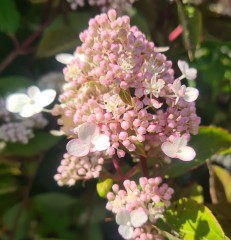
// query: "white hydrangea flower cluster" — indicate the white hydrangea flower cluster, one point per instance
point(14, 128)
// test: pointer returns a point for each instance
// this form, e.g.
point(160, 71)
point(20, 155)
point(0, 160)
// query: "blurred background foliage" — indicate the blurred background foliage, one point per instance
point(32, 206)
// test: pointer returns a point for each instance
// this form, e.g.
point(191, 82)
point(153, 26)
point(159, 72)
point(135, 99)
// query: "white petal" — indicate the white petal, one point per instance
point(126, 232)
point(138, 218)
point(186, 153)
point(162, 49)
point(182, 142)
point(88, 131)
point(176, 86)
point(30, 109)
point(191, 73)
point(123, 217)
point(77, 148)
point(169, 149)
point(191, 94)
point(33, 92)
point(16, 102)
point(47, 97)
point(183, 66)
point(101, 142)
point(64, 58)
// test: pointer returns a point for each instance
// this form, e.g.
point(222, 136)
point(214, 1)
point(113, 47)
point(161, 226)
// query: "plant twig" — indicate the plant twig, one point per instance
point(117, 167)
point(144, 167)
point(131, 172)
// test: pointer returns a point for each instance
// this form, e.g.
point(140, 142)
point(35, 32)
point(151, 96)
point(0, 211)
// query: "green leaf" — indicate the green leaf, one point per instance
point(10, 217)
point(41, 142)
point(95, 232)
point(193, 191)
point(12, 84)
point(139, 149)
point(7, 184)
point(9, 167)
point(9, 17)
point(193, 221)
point(167, 235)
point(191, 21)
point(62, 36)
point(103, 187)
point(53, 201)
point(125, 96)
point(222, 212)
point(209, 141)
point(57, 213)
point(221, 178)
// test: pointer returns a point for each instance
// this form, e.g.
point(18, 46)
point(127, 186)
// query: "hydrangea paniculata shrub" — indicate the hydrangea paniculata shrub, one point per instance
point(121, 97)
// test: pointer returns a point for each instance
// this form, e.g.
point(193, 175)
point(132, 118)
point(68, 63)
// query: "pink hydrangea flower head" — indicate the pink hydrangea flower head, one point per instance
point(121, 94)
point(137, 208)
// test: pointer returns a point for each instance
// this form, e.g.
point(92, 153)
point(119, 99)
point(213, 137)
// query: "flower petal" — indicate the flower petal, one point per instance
point(47, 97)
point(77, 148)
point(191, 73)
point(101, 142)
point(183, 66)
point(186, 153)
point(16, 102)
point(180, 142)
point(88, 131)
point(123, 217)
point(169, 149)
point(191, 94)
point(162, 49)
point(138, 218)
point(30, 109)
point(64, 58)
point(176, 86)
point(126, 232)
point(33, 92)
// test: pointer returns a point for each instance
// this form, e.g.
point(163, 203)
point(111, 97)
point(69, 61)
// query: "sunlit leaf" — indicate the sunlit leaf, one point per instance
point(221, 177)
point(103, 187)
point(125, 96)
point(193, 191)
point(193, 221)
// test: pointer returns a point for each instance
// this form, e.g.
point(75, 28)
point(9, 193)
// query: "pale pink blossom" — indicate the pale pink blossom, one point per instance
point(189, 94)
point(187, 72)
point(178, 149)
point(127, 221)
point(89, 139)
